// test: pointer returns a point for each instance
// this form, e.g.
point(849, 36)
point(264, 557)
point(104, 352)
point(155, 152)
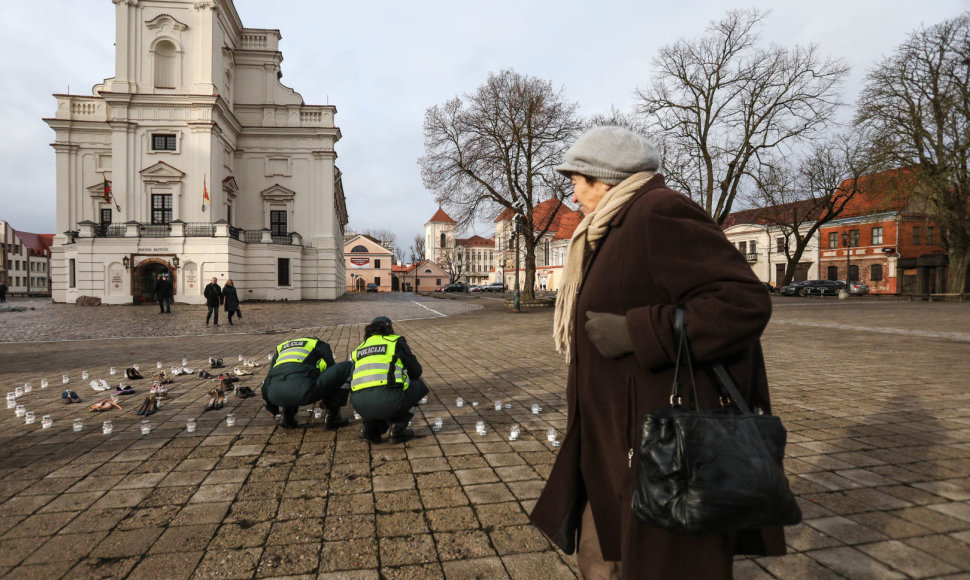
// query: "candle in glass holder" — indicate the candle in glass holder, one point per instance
point(158, 365)
point(112, 370)
point(508, 405)
point(11, 400)
point(106, 427)
point(185, 362)
point(85, 375)
point(356, 416)
point(19, 392)
point(317, 412)
point(146, 427)
point(230, 420)
point(536, 408)
point(498, 405)
point(43, 383)
point(28, 387)
point(29, 417)
point(437, 424)
point(65, 379)
point(21, 410)
point(190, 425)
point(78, 425)
point(480, 427)
point(514, 433)
point(240, 358)
point(551, 435)
point(423, 401)
point(459, 402)
point(135, 366)
point(46, 422)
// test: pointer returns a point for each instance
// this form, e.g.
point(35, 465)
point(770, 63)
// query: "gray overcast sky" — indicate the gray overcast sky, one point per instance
point(383, 63)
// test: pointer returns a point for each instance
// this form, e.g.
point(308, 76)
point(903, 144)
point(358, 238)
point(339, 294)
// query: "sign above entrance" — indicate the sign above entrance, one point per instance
point(359, 262)
point(153, 249)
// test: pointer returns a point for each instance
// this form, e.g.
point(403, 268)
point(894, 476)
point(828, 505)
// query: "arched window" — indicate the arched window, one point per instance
point(444, 240)
point(165, 55)
point(359, 250)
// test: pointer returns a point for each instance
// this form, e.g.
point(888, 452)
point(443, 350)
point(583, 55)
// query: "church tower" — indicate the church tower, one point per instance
point(439, 234)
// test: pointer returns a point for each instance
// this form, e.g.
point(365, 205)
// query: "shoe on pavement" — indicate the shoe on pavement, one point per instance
point(334, 420)
point(371, 432)
point(401, 434)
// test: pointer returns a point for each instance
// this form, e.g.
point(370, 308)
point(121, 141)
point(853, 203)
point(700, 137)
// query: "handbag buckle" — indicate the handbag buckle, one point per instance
point(676, 401)
point(725, 401)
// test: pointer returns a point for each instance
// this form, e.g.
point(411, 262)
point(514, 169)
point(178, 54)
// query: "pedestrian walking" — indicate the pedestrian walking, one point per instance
point(213, 299)
point(231, 300)
point(3, 292)
point(386, 383)
point(163, 293)
point(614, 323)
point(303, 372)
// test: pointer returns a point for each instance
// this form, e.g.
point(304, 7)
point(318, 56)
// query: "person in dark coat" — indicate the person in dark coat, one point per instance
point(213, 298)
point(3, 292)
point(614, 323)
point(386, 383)
point(163, 293)
point(231, 300)
point(303, 372)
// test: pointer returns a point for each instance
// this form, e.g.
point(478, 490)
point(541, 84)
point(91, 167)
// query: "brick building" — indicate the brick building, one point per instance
point(892, 245)
point(25, 261)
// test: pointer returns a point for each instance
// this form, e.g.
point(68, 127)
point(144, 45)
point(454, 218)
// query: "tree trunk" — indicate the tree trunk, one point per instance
point(528, 285)
point(792, 264)
point(956, 274)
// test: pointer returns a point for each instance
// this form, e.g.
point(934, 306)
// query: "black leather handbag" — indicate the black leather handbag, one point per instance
point(711, 471)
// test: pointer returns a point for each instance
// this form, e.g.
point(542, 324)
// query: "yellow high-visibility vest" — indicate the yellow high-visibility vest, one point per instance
point(297, 351)
point(376, 364)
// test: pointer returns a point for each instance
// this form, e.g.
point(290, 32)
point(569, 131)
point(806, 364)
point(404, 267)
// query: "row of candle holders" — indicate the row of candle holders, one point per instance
point(146, 426)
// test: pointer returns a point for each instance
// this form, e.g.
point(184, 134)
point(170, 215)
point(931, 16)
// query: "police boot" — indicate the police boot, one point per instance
point(401, 433)
point(371, 431)
point(289, 419)
point(334, 420)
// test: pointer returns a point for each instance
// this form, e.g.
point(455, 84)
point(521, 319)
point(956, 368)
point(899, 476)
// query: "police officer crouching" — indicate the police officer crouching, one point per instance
point(303, 372)
point(386, 383)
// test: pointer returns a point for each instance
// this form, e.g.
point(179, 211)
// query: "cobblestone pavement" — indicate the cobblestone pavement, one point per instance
point(874, 395)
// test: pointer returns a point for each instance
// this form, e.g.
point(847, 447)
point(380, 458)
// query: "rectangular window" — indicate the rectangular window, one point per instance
point(854, 238)
point(753, 247)
point(875, 274)
point(853, 273)
point(229, 213)
point(743, 247)
point(283, 272)
point(833, 273)
point(929, 236)
point(161, 208)
point(377, 264)
point(915, 235)
point(163, 142)
point(833, 240)
point(277, 222)
point(437, 282)
point(106, 216)
point(377, 280)
point(71, 273)
point(876, 236)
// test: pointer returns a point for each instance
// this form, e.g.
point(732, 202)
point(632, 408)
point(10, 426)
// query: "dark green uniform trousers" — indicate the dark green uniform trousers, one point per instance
point(388, 405)
point(301, 387)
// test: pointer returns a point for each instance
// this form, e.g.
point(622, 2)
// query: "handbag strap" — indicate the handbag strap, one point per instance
point(722, 377)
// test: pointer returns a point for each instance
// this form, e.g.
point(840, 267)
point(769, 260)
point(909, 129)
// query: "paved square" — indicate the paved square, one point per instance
point(874, 394)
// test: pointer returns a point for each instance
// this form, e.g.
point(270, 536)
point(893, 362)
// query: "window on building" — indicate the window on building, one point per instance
point(743, 247)
point(377, 280)
point(753, 247)
point(71, 273)
point(832, 273)
point(833, 241)
point(377, 263)
point(437, 282)
point(853, 273)
point(106, 216)
point(229, 213)
point(875, 273)
point(161, 208)
point(930, 239)
point(164, 142)
point(443, 240)
point(915, 235)
point(165, 61)
point(277, 222)
point(854, 238)
point(876, 236)
point(282, 271)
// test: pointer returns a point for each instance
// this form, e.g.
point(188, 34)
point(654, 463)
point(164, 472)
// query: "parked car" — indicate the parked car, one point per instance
point(476, 288)
point(456, 287)
point(858, 288)
point(494, 287)
point(372, 287)
point(814, 288)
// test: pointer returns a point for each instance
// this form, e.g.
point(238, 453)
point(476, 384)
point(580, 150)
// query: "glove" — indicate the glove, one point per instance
point(608, 334)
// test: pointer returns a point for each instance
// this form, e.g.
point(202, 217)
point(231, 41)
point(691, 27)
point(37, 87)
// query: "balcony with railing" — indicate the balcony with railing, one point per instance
point(180, 229)
point(751, 257)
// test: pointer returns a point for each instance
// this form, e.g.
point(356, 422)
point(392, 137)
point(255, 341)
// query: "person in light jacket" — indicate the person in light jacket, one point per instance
point(613, 323)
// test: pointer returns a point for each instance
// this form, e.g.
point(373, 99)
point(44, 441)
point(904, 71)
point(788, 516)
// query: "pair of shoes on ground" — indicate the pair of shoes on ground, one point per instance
point(217, 400)
point(177, 371)
point(241, 372)
point(159, 391)
point(149, 407)
point(231, 377)
point(333, 420)
point(245, 392)
point(99, 385)
point(204, 374)
point(250, 363)
point(216, 363)
point(372, 431)
point(124, 390)
point(133, 374)
point(70, 397)
point(104, 405)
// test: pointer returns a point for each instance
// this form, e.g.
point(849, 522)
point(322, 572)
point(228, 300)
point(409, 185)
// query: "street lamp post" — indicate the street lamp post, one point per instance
point(844, 293)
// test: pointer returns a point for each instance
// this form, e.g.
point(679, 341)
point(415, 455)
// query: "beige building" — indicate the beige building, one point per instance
point(196, 161)
point(25, 261)
point(367, 262)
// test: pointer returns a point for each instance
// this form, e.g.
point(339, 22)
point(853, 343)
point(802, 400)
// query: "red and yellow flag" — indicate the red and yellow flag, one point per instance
point(107, 190)
point(205, 194)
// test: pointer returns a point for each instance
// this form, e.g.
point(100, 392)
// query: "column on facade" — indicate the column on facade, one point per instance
point(126, 29)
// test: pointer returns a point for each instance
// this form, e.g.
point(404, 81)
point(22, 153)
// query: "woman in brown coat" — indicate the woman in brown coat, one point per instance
point(641, 251)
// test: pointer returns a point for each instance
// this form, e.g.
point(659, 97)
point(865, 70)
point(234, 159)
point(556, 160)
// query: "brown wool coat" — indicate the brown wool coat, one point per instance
point(661, 250)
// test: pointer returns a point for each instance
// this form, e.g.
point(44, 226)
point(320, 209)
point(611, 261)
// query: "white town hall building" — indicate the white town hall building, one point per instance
point(196, 105)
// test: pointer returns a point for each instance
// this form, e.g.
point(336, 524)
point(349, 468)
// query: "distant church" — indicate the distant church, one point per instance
point(195, 161)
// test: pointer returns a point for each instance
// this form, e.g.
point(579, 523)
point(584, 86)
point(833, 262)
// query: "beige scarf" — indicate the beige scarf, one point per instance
point(585, 239)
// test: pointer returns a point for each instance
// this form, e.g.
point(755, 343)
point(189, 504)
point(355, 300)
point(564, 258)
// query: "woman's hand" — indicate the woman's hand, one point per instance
point(608, 334)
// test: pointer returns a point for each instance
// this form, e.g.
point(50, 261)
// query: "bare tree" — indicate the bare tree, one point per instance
point(453, 261)
point(721, 103)
point(399, 254)
point(798, 197)
point(417, 249)
point(917, 102)
point(496, 149)
point(385, 238)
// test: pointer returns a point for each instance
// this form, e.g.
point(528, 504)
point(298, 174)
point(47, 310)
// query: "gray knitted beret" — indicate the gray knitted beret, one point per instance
point(610, 154)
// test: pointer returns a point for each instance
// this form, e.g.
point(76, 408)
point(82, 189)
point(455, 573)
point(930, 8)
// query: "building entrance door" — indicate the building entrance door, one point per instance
point(145, 277)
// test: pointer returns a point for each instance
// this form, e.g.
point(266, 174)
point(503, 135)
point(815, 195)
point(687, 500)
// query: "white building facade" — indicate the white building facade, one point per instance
point(196, 108)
